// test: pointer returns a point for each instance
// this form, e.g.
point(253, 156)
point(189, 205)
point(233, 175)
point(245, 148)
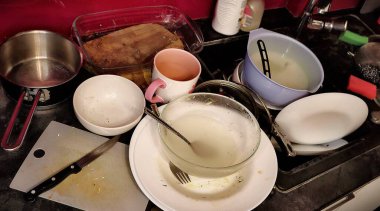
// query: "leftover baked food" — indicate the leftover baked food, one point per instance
point(131, 46)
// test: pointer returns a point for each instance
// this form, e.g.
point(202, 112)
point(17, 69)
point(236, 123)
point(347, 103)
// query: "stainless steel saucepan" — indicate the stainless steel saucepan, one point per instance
point(36, 61)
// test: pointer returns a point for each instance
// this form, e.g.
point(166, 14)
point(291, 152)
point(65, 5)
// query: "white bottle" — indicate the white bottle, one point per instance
point(252, 15)
point(227, 16)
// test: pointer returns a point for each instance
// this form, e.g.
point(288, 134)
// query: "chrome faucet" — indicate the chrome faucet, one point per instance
point(313, 22)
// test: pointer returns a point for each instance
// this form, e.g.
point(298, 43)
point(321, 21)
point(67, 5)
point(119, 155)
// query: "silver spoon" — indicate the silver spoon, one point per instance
point(161, 121)
point(198, 147)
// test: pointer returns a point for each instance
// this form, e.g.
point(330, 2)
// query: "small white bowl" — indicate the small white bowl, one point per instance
point(108, 105)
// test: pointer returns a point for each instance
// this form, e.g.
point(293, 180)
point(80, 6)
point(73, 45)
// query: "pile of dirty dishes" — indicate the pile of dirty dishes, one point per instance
point(318, 123)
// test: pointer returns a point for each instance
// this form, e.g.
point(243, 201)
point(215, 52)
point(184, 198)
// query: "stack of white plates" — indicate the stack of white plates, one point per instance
point(243, 190)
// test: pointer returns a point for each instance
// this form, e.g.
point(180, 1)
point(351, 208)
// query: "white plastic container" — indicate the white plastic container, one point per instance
point(253, 13)
point(227, 16)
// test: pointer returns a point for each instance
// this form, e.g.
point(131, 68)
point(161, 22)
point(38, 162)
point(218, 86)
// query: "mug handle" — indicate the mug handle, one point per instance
point(152, 88)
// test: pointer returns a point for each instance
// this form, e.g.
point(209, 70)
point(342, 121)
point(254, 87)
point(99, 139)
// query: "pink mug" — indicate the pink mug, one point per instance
point(175, 73)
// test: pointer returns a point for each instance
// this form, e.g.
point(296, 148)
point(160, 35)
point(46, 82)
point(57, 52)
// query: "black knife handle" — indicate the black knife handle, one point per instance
point(52, 181)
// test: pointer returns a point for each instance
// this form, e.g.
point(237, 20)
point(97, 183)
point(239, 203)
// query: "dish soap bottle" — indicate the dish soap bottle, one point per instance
point(253, 12)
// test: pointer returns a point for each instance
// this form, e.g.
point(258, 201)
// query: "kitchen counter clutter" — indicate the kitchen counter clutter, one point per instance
point(62, 144)
point(302, 183)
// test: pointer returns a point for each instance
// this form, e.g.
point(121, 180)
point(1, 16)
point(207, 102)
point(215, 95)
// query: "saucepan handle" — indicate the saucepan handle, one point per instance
point(284, 143)
point(4, 141)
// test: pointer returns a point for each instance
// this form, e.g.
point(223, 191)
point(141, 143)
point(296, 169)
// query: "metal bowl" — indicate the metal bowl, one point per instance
point(39, 59)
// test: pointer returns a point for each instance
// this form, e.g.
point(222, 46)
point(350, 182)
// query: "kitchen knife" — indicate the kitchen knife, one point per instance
point(73, 168)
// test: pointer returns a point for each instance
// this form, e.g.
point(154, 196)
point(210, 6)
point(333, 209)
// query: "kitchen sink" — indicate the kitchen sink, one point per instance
point(221, 55)
point(303, 182)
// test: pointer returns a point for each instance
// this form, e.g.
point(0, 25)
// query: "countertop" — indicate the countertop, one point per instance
point(314, 194)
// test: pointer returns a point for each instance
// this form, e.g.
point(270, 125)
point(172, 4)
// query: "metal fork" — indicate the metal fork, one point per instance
point(181, 176)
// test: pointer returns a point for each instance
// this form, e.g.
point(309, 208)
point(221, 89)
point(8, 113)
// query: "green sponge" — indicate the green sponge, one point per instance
point(353, 38)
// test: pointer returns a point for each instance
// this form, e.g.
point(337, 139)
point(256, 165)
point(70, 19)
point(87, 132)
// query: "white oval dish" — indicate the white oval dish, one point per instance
point(322, 118)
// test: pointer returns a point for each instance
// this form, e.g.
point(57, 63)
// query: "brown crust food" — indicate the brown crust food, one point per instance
point(133, 45)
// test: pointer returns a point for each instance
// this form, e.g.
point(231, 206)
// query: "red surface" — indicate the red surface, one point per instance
point(58, 15)
point(272, 4)
point(362, 87)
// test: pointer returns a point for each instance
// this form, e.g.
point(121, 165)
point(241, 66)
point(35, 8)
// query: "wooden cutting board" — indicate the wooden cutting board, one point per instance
point(105, 184)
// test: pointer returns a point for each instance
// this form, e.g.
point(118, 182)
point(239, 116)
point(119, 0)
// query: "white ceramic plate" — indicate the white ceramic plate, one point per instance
point(314, 149)
point(243, 190)
point(317, 149)
point(322, 118)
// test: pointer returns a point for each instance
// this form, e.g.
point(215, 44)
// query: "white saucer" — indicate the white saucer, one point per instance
point(313, 149)
point(317, 149)
point(236, 77)
point(243, 190)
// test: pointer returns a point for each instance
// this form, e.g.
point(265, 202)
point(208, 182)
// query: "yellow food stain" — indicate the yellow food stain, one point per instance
point(98, 185)
point(90, 184)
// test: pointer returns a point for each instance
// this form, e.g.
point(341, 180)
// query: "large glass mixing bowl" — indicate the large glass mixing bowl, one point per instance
point(224, 134)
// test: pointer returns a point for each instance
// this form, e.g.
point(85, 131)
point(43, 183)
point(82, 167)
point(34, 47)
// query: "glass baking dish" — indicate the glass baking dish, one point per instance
point(91, 26)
